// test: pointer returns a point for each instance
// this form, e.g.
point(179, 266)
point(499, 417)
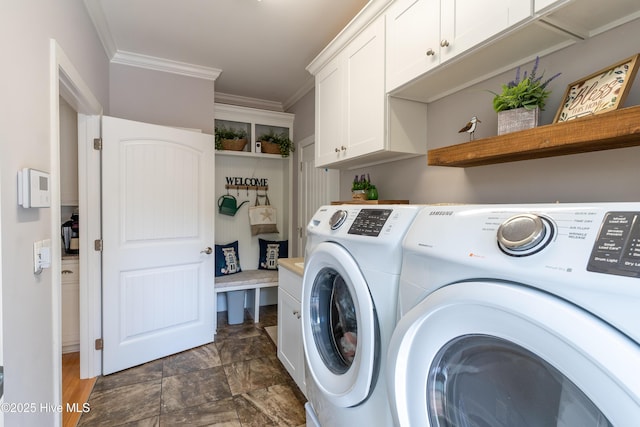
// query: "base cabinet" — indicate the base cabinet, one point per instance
point(290, 348)
point(70, 293)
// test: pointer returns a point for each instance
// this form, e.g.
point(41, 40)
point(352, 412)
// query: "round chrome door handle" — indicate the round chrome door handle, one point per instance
point(431, 52)
point(444, 43)
point(207, 250)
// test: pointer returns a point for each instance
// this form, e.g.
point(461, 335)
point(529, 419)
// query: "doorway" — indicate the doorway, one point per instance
point(316, 187)
point(67, 84)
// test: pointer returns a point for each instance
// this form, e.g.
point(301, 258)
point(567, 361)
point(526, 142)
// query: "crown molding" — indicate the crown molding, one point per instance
point(372, 10)
point(102, 27)
point(165, 65)
point(244, 101)
point(309, 85)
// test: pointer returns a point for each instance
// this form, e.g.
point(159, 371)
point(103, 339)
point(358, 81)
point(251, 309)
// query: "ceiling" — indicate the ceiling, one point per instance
point(253, 49)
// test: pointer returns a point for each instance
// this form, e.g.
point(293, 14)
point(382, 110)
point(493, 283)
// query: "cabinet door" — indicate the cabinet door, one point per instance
point(468, 23)
point(70, 294)
point(330, 144)
point(413, 40)
point(365, 76)
point(290, 350)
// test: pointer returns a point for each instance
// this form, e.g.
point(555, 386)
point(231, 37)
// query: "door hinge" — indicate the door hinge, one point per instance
point(97, 245)
point(97, 144)
point(99, 344)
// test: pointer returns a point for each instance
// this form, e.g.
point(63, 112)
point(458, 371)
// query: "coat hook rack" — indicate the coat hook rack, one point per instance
point(246, 187)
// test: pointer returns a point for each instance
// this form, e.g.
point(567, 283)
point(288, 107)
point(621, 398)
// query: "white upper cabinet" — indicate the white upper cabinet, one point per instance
point(365, 94)
point(439, 47)
point(355, 120)
point(350, 99)
point(422, 34)
point(413, 39)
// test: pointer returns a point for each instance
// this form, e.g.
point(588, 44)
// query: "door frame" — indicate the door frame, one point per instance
point(66, 82)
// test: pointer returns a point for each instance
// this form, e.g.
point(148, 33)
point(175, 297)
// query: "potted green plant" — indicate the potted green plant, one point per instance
point(519, 103)
point(273, 143)
point(230, 138)
point(360, 188)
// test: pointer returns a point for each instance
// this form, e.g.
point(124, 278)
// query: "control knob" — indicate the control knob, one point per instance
point(337, 219)
point(524, 234)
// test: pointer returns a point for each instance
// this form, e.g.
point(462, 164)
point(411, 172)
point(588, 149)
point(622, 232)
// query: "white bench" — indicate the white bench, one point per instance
point(248, 280)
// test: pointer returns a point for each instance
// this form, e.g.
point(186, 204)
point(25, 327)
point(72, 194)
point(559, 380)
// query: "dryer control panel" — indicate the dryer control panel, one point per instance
point(617, 248)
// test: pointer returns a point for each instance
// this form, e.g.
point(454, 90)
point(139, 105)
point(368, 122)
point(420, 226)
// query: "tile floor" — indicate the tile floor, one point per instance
point(236, 381)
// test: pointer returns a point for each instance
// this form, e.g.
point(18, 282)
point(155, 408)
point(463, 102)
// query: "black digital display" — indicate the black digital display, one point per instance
point(369, 222)
point(617, 248)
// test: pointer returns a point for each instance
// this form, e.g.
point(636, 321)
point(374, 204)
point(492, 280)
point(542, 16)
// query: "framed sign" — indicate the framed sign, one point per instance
point(599, 92)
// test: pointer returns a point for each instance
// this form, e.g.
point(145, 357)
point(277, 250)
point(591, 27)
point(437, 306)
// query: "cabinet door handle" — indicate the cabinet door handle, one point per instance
point(431, 52)
point(343, 148)
point(296, 313)
point(444, 43)
point(67, 272)
point(337, 150)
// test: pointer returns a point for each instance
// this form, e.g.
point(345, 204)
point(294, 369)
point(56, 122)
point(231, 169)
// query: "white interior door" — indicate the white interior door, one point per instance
point(316, 187)
point(158, 212)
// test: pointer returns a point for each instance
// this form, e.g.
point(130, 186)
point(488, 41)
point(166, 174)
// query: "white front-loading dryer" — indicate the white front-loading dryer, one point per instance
point(519, 315)
point(349, 303)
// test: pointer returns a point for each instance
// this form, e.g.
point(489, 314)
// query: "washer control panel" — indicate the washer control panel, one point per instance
point(370, 222)
point(617, 247)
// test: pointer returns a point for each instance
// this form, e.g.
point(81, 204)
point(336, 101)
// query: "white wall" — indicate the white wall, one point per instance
point(26, 27)
point(161, 98)
point(590, 177)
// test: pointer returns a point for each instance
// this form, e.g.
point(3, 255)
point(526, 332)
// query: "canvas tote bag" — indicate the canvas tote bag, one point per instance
point(262, 218)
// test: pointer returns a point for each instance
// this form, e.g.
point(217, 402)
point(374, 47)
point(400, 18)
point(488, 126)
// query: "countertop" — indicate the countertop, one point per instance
point(295, 265)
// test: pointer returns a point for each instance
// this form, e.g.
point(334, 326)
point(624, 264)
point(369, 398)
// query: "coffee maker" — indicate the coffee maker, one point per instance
point(70, 235)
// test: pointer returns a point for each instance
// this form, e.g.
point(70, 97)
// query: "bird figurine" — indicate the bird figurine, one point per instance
point(470, 127)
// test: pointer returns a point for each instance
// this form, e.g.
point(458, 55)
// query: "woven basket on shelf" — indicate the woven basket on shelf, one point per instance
point(233, 144)
point(270, 147)
point(359, 194)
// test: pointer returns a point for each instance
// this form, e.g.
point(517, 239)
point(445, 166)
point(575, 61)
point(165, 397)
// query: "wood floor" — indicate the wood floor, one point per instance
point(74, 390)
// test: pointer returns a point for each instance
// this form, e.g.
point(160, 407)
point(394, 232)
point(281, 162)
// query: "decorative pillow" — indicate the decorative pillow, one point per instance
point(227, 259)
point(270, 251)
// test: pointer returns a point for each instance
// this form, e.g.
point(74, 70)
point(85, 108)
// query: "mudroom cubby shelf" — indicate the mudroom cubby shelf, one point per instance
point(616, 129)
point(254, 122)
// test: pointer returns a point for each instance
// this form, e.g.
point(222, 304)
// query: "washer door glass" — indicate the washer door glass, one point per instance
point(335, 326)
point(487, 381)
point(340, 331)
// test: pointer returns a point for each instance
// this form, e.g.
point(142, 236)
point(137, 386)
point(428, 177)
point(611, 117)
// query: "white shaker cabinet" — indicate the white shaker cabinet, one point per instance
point(350, 99)
point(356, 123)
point(70, 294)
point(290, 348)
point(422, 34)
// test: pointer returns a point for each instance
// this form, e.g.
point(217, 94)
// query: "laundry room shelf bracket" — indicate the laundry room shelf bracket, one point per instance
point(616, 129)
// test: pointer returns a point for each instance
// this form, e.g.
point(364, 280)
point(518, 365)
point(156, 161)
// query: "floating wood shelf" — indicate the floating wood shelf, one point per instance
point(616, 129)
point(370, 202)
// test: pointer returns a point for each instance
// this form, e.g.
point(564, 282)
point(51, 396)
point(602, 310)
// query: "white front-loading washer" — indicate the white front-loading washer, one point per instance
point(349, 302)
point(519, 316)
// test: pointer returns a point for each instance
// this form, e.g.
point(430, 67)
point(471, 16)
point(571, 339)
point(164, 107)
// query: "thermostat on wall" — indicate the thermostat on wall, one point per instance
point(33, 189)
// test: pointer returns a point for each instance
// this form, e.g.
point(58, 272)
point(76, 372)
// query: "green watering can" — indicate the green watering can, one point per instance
point(228, 205)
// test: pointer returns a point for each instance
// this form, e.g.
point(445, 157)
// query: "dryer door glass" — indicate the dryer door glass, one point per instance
point(479, 380)
point(334, 323)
